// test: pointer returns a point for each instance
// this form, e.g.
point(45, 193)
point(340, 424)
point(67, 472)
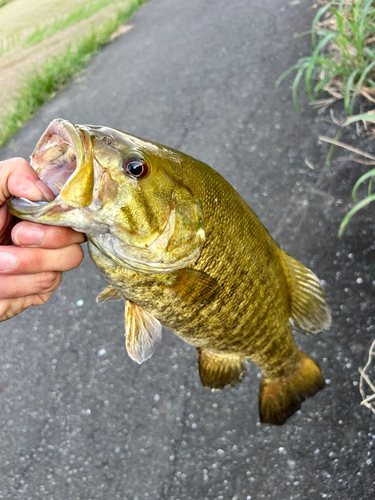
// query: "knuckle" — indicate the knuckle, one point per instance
point(59, 236)
point(49, 281)
point(33, 259)
point(13, 288)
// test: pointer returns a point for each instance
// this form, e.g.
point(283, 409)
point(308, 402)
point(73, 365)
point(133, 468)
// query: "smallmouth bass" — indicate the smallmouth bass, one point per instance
point(183, 249)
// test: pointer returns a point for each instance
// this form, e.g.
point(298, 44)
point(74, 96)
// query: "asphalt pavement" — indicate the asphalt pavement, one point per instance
point(78, 418)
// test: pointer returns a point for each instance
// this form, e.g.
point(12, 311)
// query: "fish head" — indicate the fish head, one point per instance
point(126, 194)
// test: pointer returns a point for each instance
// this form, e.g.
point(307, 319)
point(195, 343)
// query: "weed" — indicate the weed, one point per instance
point(343, 56)
point(368, 176)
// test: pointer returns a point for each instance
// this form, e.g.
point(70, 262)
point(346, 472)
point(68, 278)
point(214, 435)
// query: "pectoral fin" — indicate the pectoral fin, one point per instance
point(109, 293)
point(142, 330)
point(195, 286)
point(218, 370)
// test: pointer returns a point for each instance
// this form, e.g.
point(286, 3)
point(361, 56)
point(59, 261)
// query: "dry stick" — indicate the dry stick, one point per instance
point(366, 400)
point(346, 146)
point(367, 95)
point(357, 160)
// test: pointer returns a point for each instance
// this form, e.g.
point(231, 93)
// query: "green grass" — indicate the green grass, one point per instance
point(367, 177)
point(42, 85)
point(343, 52)
point(40, 33)
point(343, 59)
point(75, 16)
point(3, 2)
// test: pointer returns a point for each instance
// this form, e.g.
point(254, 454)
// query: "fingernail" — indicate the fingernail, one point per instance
point(7, 261)
point(48, 194)
point(30, 235)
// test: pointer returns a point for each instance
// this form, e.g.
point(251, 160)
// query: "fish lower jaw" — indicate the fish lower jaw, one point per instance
point(29, 210)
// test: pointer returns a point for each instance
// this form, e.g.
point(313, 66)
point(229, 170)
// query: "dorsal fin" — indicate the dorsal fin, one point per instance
point(142, 330)
point(310, 312)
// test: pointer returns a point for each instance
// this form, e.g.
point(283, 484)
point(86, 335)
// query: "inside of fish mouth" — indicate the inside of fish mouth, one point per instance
point(55, 162)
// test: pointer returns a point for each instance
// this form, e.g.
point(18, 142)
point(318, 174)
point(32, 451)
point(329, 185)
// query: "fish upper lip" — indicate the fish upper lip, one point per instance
point(67, 131)
point(69, 134)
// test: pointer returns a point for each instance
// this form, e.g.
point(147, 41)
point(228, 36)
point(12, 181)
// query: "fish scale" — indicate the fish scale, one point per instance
point(183, 249)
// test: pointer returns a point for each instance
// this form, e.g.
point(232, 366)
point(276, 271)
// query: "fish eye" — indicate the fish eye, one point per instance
point(135, 167)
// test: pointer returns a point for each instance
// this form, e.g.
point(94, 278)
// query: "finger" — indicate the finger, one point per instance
point(29, 284)
point(11, 307)
point(30, 234)
point(6, 220)
point(18, 178)
point(15, 260)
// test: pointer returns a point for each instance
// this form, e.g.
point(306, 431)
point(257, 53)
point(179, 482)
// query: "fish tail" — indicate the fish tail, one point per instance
point(280, 398)
point(217, 370)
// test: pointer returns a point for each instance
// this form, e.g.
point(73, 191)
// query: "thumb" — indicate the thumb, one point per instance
point(18, 178)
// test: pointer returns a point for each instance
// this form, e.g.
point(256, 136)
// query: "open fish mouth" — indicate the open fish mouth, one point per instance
point(63, 161)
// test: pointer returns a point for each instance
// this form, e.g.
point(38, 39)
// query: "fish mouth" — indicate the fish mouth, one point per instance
point(63, 161)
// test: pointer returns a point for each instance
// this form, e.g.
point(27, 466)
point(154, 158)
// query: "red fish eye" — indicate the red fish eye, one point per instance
point(136, 167)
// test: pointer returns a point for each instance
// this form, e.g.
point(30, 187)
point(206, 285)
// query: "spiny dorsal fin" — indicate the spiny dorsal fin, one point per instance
point(310, 312)
point(217, 370)
point(142, 330)
point(109, 293)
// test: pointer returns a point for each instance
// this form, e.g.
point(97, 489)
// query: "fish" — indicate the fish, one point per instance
point(175, 240)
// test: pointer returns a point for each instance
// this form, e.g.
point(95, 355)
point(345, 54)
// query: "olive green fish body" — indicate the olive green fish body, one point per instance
point(249, 313)
point(175, 240)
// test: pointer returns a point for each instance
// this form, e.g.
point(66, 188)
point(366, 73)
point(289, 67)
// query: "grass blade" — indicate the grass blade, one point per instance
point(348, 87)
point(359, 83)
point(331, 149)
point(357, 118)
point(289, 70)
point(312, 61)
point(358, 206)
point(362, 179)
point(295, 86)
point(317, 16)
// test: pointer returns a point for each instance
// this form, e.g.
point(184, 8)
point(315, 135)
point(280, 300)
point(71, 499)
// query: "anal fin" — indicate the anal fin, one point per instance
point(142, 330)
point(217, 370)
point(310, 312)
point(280, 398)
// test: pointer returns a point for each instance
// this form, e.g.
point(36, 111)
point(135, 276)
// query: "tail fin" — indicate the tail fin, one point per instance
point(310, 312)
point(279, 399)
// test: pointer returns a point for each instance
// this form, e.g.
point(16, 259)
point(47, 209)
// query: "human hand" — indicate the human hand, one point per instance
point(32, 256)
